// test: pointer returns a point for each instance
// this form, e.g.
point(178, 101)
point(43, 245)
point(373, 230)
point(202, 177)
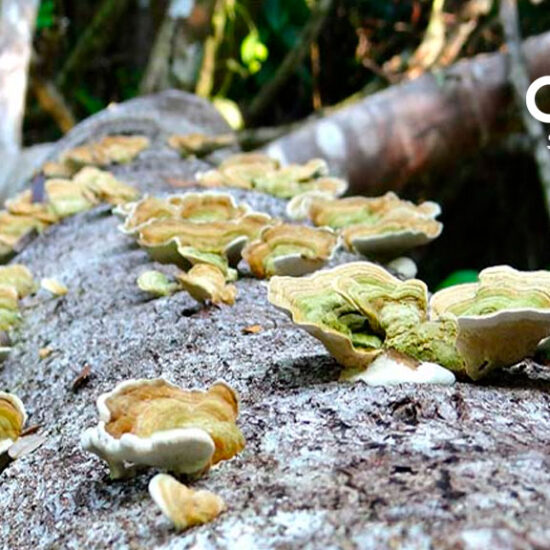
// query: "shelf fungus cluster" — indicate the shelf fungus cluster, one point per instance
point(361, 312)
point(12, 420)
point(381, 227)
point(501, 319)
point(287, 249)
point(118, 149)
point(262, 173)
point(183, 506)
point(16, 282)
point(202, 233)
point(155, 423)
point(200, 145)
point(204, 282)
point(383, 330)
point(62, 198)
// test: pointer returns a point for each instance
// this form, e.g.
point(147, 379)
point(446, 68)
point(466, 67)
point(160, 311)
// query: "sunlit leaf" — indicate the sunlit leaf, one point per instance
point(253, 51)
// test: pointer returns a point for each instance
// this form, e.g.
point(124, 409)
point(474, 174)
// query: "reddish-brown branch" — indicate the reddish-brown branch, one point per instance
point(384, 140)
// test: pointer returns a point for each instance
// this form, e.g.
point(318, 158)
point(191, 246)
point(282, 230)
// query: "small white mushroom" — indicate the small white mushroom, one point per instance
point(389, 369)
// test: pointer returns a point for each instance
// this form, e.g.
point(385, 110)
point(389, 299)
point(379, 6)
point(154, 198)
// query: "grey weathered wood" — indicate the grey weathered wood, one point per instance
point(327, 464)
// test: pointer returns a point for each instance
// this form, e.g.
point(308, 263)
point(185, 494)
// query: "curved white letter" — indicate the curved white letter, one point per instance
point(531, 102)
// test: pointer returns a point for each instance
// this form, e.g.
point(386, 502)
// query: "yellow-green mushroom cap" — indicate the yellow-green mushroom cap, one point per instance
point(500, 320)
point(12, 419)
point(183, 506)
point(155, 423)
point(206, 283)
point(287, 249)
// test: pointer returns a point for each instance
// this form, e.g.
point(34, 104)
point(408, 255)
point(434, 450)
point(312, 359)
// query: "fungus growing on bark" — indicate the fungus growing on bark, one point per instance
point(13, 232)
point(185, 243)
point(12, 420)
point(383, 226)
point(391, 236)
point(500, 320)
point(67, 198)
point(200, 144)
point(54, 286)
point(206, 283)
point(104, 186)
point(23, 205)
point(106, 151)
point(9, 307)
point(260, 172)
point(238, 171)
point(155, 423)
point(360, 311)
point(183, 506)
point(287, 249)
point(195, 207)
point(19, 277)
point(157, 283)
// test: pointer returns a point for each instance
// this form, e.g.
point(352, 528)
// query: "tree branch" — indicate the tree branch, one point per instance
point(519, 79)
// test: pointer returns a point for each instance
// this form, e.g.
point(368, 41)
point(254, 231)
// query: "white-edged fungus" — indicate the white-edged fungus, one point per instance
point(287, 249)
point(12, 419)
point(155, 423)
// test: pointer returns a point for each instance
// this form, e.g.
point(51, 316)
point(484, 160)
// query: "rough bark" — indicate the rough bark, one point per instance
point(385, 139)
point(327, 464)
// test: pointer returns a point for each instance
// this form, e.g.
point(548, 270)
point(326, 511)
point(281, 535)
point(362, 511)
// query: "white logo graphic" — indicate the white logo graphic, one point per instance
point(530, 100)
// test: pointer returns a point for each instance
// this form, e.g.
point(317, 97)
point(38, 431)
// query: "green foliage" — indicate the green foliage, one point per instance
point(46, 15)
point(459, 277)
point(86, 99)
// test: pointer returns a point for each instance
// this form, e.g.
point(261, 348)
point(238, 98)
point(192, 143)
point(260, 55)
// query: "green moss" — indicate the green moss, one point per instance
point(432, 341)
point(333, 311)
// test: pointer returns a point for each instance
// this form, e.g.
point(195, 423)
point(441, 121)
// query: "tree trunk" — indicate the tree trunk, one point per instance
point(16, 29)
point(386, 139)
point(327, 464)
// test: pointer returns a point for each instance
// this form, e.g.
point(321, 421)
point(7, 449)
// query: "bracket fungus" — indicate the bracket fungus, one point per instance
point(19, 277)
point(186, 243)
point(262, 173)
point(157, 283)
point(12, 420)
point(116, 149)
point(206, 283)
point(195, 207)
point(155, 423)
point(104, 186)
point(382, 226)
point(360, 311)
point(500, 320)
point(287, 249)
point(184, 507)
point(200, 144)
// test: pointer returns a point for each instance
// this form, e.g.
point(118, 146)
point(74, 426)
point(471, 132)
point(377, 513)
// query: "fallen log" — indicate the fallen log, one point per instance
point(386, 139)
point(327, 464)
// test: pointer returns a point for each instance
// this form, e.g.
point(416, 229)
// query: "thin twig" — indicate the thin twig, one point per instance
point(52, 102)
point(205, 83)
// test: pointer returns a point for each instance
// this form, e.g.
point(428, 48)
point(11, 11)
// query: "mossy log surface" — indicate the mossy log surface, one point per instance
point(327, 464)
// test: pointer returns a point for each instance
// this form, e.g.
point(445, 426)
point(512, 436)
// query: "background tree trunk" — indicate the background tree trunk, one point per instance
point(17, 19)
point(386, 139)
point(327, 464)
